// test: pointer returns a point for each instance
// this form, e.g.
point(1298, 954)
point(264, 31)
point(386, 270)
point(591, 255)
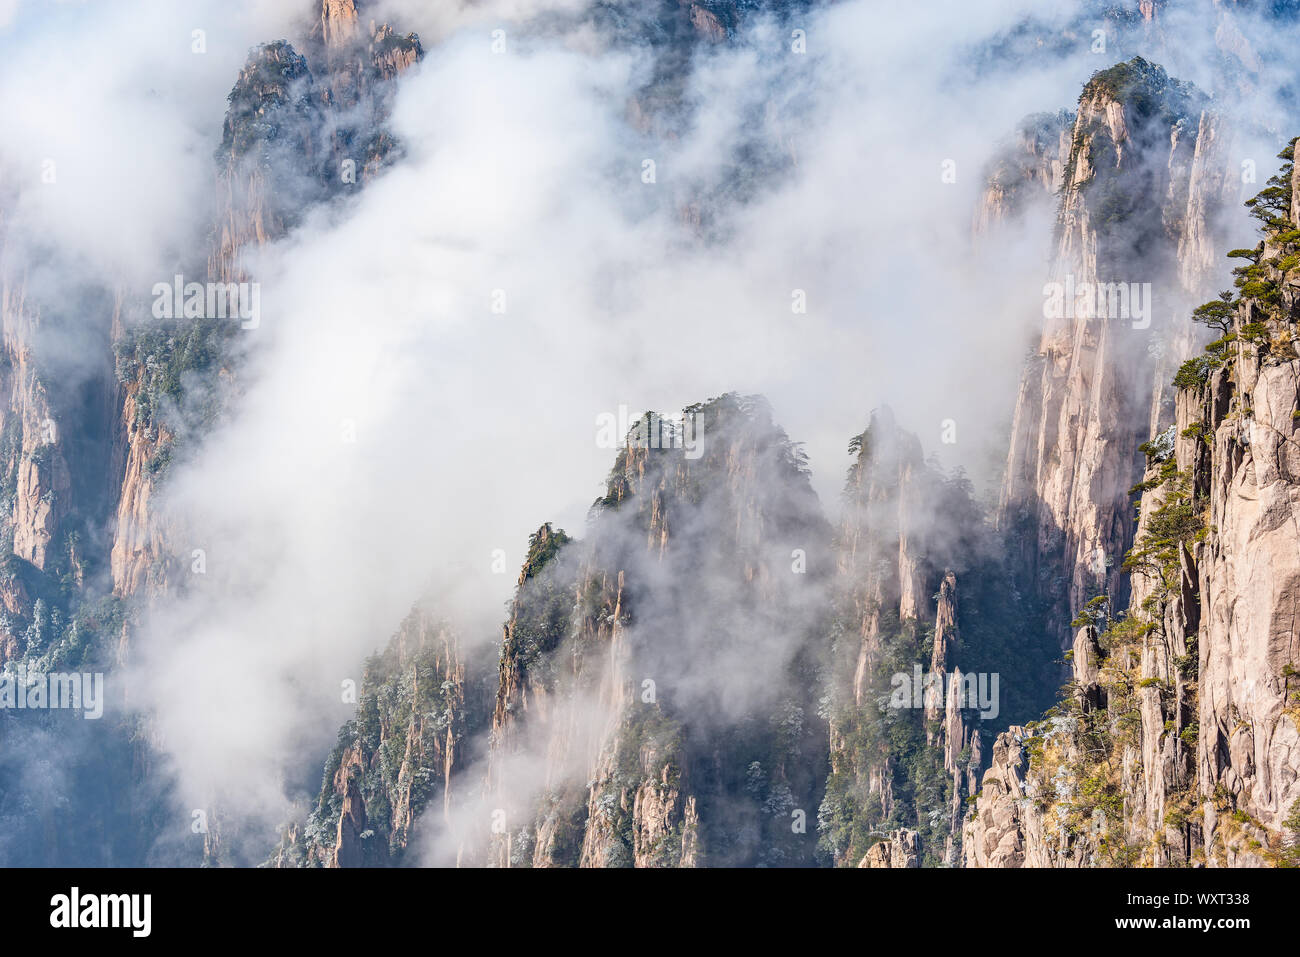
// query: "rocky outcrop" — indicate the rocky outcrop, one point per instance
point(45, 506)
point(1246, 575)
point(139, 545)
point(1005, 827)
point(1029, 169)
point(1178, 741)
point(296, 134)
point(1025, 813)
point(37, 461)
point(878, 557)
point(901, 849)
point(627, 654)
point(398, 757)
point(338, 24)
point(1142, 180)
point(352, 831)
point(905, 744)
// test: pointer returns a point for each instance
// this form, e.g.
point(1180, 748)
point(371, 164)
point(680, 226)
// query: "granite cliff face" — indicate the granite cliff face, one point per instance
point(50, 429)
point(1176, 741)
point(1028, 170)
point(1170, 744)
point(1141, 180)
point(300, 130)
point(395, 759)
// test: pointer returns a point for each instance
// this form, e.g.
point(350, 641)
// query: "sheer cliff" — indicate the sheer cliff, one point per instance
point(298, 132)
point(396, 758)
point(1140, 184)
point(1176, 741)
